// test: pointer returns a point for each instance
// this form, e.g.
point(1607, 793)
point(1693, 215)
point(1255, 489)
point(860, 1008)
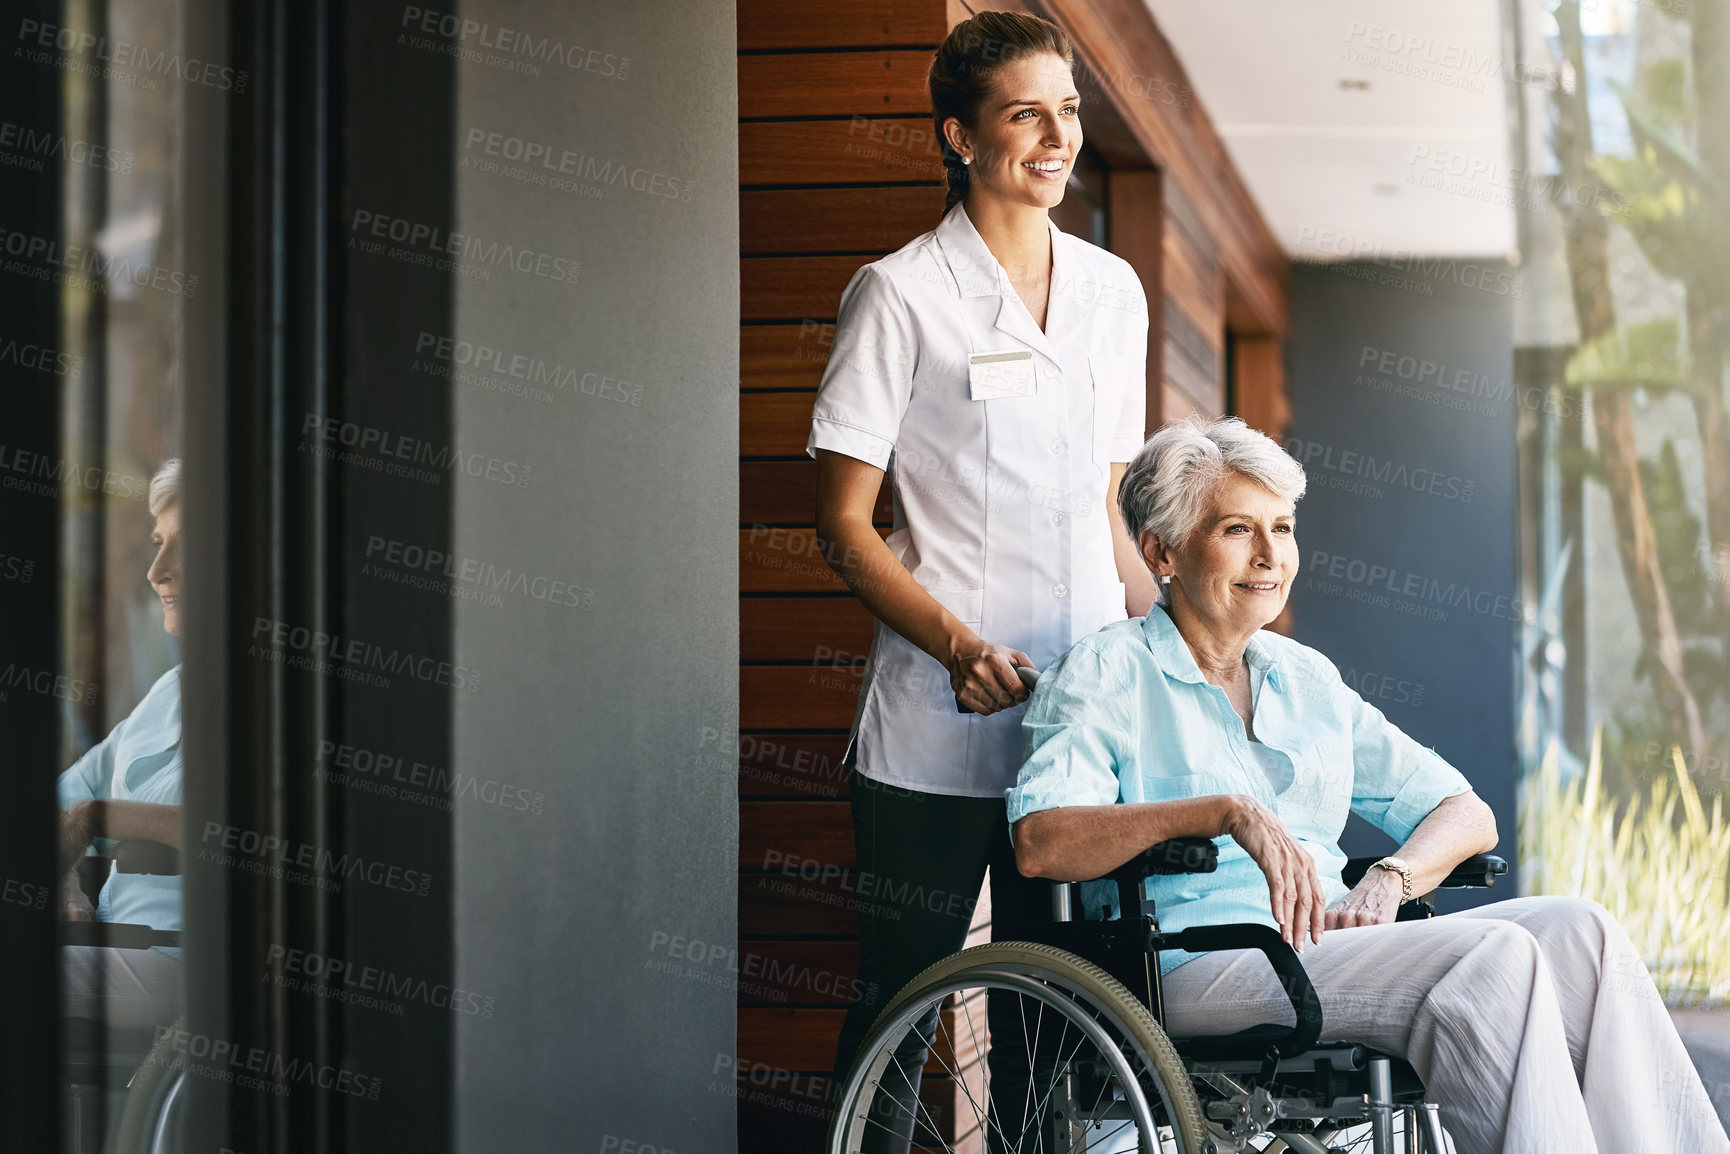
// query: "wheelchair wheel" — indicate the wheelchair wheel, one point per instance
point(1017, 1046)
point(153, 1101)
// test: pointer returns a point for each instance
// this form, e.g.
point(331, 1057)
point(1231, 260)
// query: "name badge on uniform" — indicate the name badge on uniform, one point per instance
point(993, 375)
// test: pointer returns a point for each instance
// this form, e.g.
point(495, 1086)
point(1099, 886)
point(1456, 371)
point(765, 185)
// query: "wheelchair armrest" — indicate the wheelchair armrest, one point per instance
point(1293, 979)
point(142, 856)
point(116, 935)
point(1478, 871)
point(1178, 855)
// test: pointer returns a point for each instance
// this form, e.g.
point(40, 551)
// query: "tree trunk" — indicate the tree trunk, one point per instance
point(1585, 233)
point(1637, 545)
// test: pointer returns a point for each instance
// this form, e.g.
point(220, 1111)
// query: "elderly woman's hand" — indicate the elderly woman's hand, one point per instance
point(1374, 901)
point(74, 905)
point(983, 676)
point(1293, 885)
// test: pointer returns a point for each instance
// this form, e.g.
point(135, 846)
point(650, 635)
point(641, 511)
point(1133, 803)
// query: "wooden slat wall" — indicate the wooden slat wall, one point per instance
point(837, 167)
point(1136, 228)
point(1261, 394)
point(1193, 308)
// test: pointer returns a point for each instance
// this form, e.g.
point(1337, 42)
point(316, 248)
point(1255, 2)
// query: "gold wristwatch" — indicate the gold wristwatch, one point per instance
point(1405, 871)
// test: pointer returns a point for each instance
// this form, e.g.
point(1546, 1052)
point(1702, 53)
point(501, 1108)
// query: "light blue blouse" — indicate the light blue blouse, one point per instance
point(138, 761)
point(1125, 715)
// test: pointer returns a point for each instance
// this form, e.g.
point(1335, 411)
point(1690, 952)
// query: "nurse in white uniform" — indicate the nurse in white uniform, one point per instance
point(995, 368)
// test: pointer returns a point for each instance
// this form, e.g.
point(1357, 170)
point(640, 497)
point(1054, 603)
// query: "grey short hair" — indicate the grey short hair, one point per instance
point(1168, 485)
point(165, 487)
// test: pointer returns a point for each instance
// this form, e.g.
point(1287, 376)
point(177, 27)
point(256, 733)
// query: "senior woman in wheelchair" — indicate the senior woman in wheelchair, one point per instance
point(1533, 1022)
point(127, 786)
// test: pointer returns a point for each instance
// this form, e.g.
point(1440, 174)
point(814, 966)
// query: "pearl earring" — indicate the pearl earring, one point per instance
point(966, 160)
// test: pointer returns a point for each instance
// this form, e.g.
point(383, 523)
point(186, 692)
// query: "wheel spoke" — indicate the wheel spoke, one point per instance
point(1088, 1145)
point(987, 1123)
point(1104, 1090)
point(1117, 1046)
point(1061, 1070)
point(985, 1063)
point(1027, 1095)
point(955, 1075)
point(918, 1105)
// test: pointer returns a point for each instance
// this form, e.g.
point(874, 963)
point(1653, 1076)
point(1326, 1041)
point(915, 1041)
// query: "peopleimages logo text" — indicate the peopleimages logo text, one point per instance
point(362, 654)
point(224, 842)
point(125, 54)
point(465, 246)
point(513, 41)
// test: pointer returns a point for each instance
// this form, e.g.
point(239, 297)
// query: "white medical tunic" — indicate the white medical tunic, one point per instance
point(1000, 503)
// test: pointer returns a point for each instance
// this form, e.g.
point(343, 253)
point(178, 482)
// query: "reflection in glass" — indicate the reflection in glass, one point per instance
point(119, 862)
point(119, 785)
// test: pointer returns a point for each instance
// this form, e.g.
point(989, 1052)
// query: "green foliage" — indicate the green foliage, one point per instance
point(1663, 89)
point(1634, 356)
point(1661, 865)
point(1667, 199)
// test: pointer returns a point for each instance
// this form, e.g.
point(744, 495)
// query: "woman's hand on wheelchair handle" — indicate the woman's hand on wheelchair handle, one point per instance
point(1294, 887)
point(983, 677)
point(1374, 901)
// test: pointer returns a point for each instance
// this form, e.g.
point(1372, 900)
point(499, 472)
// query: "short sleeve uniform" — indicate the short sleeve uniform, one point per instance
point(1000, 503)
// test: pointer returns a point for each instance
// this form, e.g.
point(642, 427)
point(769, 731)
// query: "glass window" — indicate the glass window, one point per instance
point(124, 296)
point(1625, 464)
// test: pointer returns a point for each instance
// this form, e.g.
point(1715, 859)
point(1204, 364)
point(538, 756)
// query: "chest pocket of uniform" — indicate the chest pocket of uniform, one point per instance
point(1113, 377)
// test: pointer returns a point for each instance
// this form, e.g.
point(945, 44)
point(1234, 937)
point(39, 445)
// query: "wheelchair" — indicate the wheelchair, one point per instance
point(1088, 1065)
point(122, 1085)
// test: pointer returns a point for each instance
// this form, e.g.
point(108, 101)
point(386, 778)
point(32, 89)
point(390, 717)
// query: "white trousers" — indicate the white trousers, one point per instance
point(1533, 1023)
point(124, 989)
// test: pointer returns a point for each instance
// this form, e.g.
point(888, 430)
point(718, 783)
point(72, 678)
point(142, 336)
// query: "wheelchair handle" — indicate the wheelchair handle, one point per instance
point(1293, 979)
point(1029, 677)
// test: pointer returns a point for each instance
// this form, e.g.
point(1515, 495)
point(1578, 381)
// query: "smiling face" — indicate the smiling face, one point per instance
point(164, 573)
point(1027, 135)
point(1236, 569)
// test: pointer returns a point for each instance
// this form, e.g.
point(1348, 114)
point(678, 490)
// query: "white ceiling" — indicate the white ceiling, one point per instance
point(1335, 170)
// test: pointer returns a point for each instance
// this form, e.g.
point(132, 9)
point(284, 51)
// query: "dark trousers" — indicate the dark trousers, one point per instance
point(926, 854)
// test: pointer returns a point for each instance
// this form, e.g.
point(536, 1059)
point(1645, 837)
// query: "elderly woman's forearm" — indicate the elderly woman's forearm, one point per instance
point(1079, 842)
point(1457, 828)
point(143, 820)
